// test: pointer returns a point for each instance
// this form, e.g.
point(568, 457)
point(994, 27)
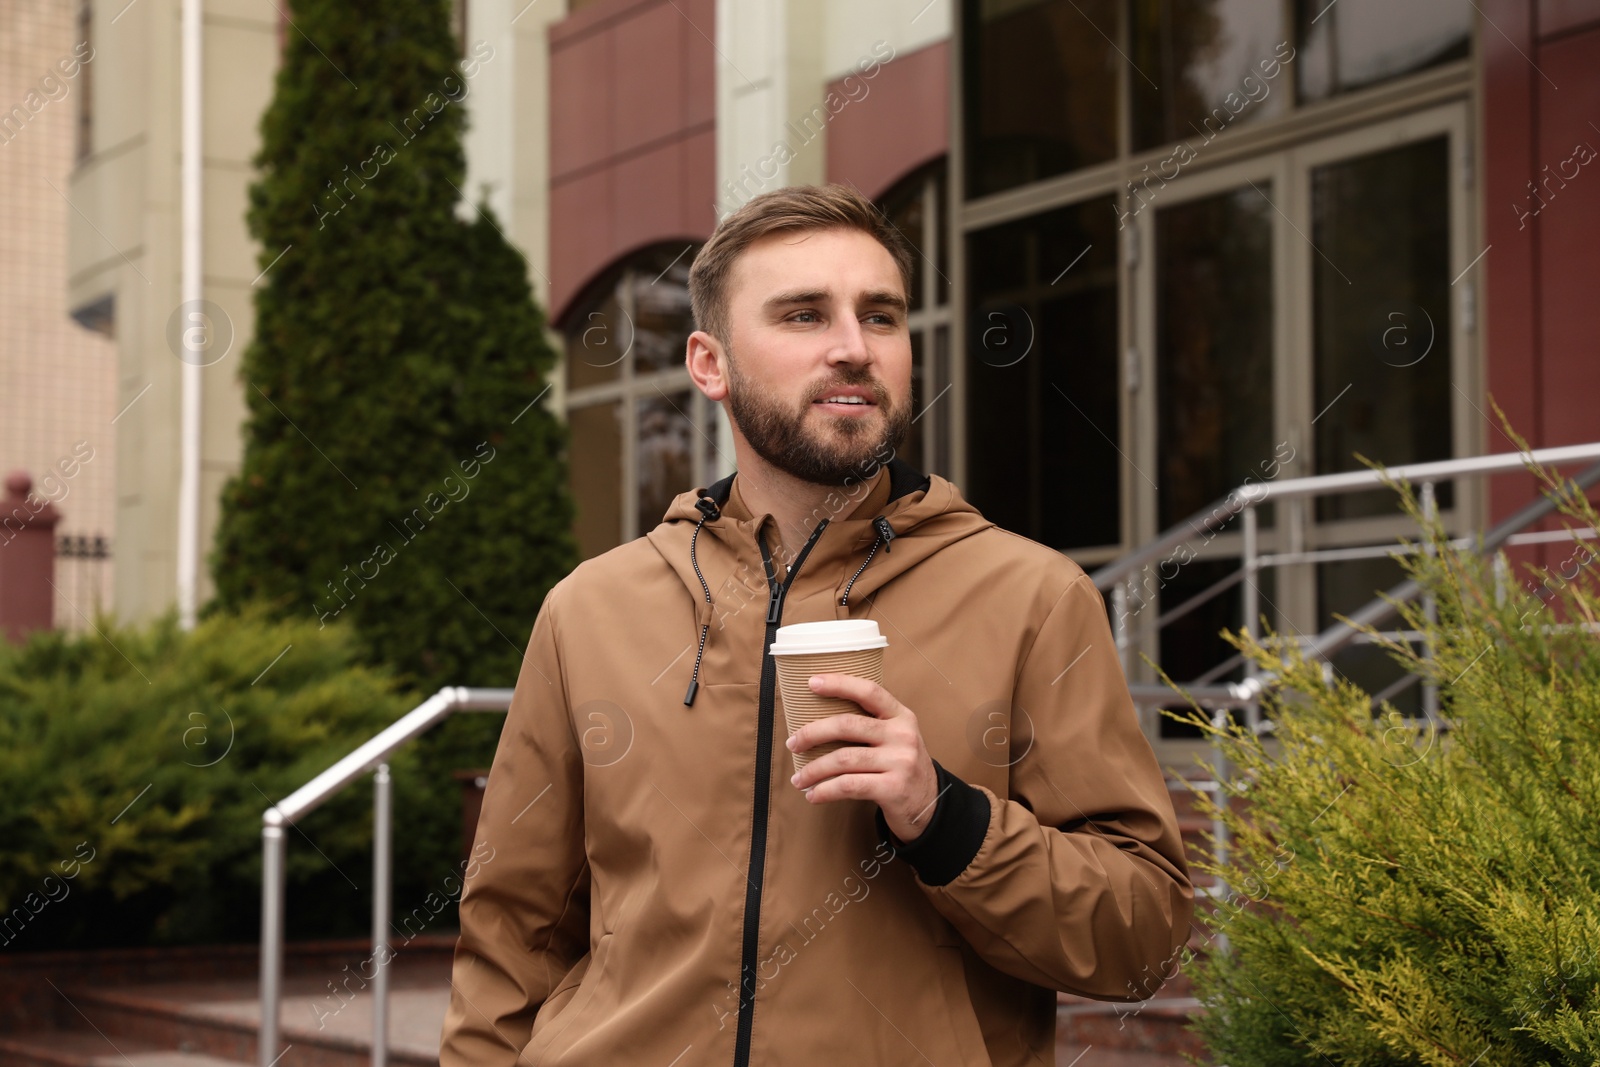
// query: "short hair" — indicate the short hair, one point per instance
point(798, 208)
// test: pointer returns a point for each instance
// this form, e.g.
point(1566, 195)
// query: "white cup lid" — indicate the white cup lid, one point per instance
point(835, 635)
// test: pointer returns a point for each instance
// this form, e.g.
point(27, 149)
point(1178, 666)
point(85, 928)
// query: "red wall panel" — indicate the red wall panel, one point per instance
point(897, 120)
point(632, 135)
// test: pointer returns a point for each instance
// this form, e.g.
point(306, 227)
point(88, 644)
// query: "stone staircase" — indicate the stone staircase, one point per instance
point(197, 1007)
point(1152, 1033)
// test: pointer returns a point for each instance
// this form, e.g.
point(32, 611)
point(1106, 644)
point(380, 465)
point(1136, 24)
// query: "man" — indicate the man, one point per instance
point(665, 890)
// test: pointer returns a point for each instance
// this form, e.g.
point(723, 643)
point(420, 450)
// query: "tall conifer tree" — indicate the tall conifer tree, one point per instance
point(401, 472)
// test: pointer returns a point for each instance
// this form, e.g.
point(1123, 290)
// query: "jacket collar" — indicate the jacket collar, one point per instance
point(859, 546)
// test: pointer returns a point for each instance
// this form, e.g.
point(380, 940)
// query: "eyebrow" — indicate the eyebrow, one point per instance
point(880, 297)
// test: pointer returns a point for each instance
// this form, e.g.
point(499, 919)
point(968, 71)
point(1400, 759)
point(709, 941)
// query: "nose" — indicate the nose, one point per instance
point(848, 343)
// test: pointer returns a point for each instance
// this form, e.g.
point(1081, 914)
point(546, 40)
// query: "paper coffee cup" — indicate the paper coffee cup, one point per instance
point(840, 646)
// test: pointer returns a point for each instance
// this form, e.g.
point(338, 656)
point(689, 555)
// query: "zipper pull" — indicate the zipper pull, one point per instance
point(775, 605)
point(885, 531)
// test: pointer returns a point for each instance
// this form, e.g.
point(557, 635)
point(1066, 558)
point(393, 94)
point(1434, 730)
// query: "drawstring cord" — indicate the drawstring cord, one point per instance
point(708, 510)
point(885, 535)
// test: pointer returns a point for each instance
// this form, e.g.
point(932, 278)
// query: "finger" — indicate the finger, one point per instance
point(847, 787)
point(860, 729)
point(872, 697)
point(856, 759)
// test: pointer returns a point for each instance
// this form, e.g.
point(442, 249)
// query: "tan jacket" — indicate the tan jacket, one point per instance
point(658, 892)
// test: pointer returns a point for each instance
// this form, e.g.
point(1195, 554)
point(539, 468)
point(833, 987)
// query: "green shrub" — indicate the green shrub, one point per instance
point(138, 760)
point(1405, 897)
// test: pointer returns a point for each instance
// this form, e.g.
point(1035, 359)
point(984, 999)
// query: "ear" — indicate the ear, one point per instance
point(707, 363)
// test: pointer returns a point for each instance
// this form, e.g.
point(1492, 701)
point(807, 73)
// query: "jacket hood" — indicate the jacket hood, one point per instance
point(849, 549)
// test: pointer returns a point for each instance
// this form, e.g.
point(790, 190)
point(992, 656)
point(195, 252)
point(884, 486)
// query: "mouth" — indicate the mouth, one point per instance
point(854, 402)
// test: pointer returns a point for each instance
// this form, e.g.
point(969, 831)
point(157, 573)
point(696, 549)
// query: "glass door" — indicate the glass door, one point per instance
point(1291, 313)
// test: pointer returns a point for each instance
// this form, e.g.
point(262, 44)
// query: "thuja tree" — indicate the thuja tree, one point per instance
point(400, 473)
point(1409, 896)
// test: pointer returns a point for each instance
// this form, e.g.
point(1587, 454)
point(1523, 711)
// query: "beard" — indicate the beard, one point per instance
point(852, 448)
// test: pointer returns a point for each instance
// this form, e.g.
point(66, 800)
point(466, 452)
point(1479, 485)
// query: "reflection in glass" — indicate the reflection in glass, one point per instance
point(598, 339)
point(1042, 89)
point(1355, 43)
point(905, 207)
point(1191, 645)
point(1213, 359)
point(661, 312)
point(1042, 376)
point(638, 312)
point(596, 465)
point(910, 448)
point(665, 454)
point(1216, 63)
point(1381, 316)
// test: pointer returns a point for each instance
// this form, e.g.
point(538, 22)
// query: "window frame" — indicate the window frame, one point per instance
point(631, 386)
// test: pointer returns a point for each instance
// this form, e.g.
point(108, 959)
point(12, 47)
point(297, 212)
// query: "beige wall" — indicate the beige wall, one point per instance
point(126, 244)
point(57, 379)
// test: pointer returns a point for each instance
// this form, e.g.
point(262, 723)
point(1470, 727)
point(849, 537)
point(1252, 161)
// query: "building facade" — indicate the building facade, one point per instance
point(58, 417)
point(1164, 248)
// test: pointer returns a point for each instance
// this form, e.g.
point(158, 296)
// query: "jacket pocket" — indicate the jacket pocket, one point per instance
point(566, 1001)
point(965, 1031)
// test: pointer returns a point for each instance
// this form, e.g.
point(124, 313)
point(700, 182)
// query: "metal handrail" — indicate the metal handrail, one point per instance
point(372, 755)
point(1254, 493)
point(1219, 699)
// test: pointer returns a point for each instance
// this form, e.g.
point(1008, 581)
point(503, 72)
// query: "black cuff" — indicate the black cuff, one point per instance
point(953, 836)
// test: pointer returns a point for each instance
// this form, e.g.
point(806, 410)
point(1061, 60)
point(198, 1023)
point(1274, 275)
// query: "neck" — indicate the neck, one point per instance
point(793, 503)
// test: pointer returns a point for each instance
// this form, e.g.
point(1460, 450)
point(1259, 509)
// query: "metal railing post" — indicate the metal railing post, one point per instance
point(272, 884)
point(1430, 609)
point(382, 843)
point(1250, 602)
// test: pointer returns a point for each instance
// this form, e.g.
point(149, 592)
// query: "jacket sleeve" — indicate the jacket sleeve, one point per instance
point(1076, 881)
point(525, 899)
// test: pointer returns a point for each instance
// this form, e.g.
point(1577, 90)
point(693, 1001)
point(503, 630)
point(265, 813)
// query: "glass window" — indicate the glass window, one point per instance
point(1349, 44)
point(1042, 383)
point(1203, 65)
point(598, 340)
point(1191, 645)
point(1381, 316)
point(85, 132)
point(906, 206)
point(595, 456)
point(625, 350)
point(661, 316)
point(916, 206)
point(665, 452)
point(1041, 96)
point(1213, 359)
point(1346, 586)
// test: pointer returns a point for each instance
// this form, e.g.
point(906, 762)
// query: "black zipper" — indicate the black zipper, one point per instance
point(758, 826)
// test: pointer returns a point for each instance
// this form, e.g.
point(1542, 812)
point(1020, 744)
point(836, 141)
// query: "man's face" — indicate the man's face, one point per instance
point(811, 317)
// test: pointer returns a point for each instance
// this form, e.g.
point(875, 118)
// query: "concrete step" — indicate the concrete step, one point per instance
point(68, 1048)
point(1095, 1056)
point(319, 1029)
point(1156, 1026)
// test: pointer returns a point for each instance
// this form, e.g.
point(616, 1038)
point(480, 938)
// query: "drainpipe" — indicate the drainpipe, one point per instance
point(192, 292)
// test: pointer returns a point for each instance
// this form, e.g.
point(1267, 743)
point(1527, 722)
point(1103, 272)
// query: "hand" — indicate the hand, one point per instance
point(889, 765)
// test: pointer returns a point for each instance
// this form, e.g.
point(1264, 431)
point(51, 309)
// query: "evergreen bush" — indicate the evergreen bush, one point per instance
point(1411, 896)
point(135, 763)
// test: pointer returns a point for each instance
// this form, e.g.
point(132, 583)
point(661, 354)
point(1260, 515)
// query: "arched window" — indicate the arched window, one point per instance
point(641, 432)
point(917, 206)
